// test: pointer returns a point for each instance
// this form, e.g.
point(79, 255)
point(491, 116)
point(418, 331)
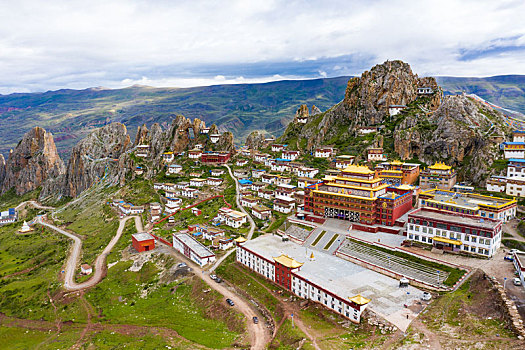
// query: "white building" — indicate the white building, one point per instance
point(395, 109)
point(190, 193)
point(257, 173)
point(195, 154)
point(168, 157)
point(196, 182)
point(231, 217)
point(260, 157)
point(174, 169)
point(514, 150)
point(307, 172)
point(278, 147)
point(261, 212)
point(290, 155)
point(455, 232)
point(214, 138)
point(280, 167)
point(284, 205)
point(516, 178)
point(215, 181)
point(324, 152)
point(241, 162)
point(249, 201)
point(265, 193)
point(216, 172)
point(425, 91)
point(497, 184)
point(363, 130)
point(192, 249)
point(142, 151)
point(376, 154)
point(285, 191)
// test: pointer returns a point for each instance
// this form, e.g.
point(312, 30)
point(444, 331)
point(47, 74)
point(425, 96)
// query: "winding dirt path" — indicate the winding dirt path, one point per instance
point(100, 261)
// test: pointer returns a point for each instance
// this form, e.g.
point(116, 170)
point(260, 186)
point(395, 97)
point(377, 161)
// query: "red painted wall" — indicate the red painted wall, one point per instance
point(144, 245)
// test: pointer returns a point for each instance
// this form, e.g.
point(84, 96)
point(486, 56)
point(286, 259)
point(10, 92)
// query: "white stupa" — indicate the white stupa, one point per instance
point(25, 228)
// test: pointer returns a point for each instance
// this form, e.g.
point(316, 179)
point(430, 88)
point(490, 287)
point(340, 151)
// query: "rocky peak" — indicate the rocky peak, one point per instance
point(96, 157)
point(302, 111)
point(34, 159)
point(255, 140)
point(315, 110)
point(391, 83)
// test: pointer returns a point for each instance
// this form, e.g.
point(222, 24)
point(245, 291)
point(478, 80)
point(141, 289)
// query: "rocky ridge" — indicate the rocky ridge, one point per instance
point(33, 161)
point(105, 155)
point(454, 129)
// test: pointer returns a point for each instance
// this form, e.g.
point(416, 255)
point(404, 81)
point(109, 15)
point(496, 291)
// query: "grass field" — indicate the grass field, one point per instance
point(252, 284)
point(180, 308)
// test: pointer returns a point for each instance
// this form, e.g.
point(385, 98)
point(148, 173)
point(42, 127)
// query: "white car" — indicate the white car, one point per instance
point(516, 281)
point(426, 296)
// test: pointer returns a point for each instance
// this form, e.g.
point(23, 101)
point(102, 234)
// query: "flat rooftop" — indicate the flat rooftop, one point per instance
point(462, 220)
point(194, 245)
point(142, 236)
point(468, 200)
point(341, 277)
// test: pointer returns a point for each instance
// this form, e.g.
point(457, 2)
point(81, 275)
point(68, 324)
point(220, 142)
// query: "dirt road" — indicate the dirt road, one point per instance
point(35, 204)
point(259, 334)
point(100, 261)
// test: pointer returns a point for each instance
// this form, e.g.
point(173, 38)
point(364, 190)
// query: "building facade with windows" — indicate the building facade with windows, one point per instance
point(357, 194)
point(304, 279)
point(398, 173)
point(455, 232)
point(439, 175)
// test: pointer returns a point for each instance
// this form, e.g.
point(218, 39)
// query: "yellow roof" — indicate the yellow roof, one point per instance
point(360, 169)
point(240, 239)
point(359, 300)
point(396, 162)
point(446, 240)
point(287, 261)
point(440, 166)
point(168, 152)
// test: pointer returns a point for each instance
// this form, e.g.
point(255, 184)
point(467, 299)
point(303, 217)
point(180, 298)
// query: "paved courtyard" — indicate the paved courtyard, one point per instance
point(345, 278)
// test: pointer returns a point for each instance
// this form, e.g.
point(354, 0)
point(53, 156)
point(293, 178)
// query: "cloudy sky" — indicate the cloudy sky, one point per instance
point(46, 45)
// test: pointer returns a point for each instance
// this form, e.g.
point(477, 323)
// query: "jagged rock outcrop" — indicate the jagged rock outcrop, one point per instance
point(457, 129)
point(2, 169)
point(366, 103)
point(96, 157)
point(315, 110)
point(255, 140)
point(461, 132)
point(32, 162)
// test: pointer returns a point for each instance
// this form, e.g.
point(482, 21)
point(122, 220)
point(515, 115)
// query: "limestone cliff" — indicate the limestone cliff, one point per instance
point(32, 162)
point(2, 169)
point(255, 140)
point(96, 157)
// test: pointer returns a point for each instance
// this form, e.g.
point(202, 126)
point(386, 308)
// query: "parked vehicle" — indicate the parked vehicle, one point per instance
point(508, 258)
point(182, 265)
point(255, 319)
point(426, 296)
point(213, 277)
point(230, 302)
point(516, 281)
point(218, 280)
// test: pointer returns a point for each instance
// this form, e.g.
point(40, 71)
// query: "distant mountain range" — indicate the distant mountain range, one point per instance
point(242, 108)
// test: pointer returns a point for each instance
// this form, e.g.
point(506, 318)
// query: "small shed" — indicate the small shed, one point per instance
point(143, 241)
point(85, 269)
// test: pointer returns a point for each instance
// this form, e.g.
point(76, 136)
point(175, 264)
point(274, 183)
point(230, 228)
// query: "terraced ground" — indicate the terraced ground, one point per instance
point(434, 275)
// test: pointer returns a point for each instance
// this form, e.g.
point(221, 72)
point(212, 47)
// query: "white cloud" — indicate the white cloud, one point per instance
point(59, 43)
